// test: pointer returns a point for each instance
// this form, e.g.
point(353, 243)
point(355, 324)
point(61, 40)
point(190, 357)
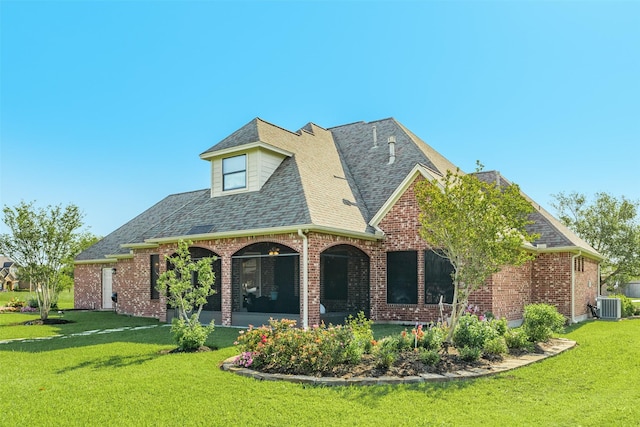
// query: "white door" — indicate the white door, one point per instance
point(107, 287)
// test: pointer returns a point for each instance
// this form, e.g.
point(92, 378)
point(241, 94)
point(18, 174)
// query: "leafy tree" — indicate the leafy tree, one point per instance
point(479, 227)
point(82, 242)
point(610, 225)
point(43, 242)
point(186, 288)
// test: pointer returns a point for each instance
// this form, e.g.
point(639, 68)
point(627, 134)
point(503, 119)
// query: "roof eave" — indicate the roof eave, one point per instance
point(208, 155)
point(264, 232)
point(572, 249)
point(418, 170)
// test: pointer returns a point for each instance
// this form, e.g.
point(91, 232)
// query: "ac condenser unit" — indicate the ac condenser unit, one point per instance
point(610, 308)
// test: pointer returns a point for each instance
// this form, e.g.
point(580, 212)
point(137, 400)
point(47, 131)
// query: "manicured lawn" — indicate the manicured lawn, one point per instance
point(65, 299)
point(121, 378)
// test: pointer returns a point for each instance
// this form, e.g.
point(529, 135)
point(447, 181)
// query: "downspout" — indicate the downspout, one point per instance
point(573, 285)
point(305, 279)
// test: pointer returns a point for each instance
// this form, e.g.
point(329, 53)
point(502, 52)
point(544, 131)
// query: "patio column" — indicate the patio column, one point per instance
point(225, 289)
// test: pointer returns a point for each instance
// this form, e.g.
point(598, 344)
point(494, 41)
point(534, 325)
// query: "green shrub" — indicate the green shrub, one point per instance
point(283, 347)
point(429, 357)
point(628, 309)
point(495, 346)
point(15, 302)
point(472, 332)
point(361, 329)
point(499, 325)
point(32, 302)
point(385, 353)
point(470, 354)
point(190, 336)
point(517, 339)
point(429, 338)
point(541, 321)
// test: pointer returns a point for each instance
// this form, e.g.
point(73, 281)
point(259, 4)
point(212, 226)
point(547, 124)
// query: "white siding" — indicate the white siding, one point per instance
point(269, 162)
point(260, 166)
point(216, 177)
point(253, 166)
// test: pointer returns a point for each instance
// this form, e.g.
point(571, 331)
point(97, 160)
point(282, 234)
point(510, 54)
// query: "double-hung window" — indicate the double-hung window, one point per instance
point(234, 172)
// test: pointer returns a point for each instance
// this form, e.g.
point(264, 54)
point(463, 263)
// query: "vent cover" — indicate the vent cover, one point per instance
point(610, 308)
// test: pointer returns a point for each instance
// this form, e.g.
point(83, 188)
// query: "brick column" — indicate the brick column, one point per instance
point(225, 289)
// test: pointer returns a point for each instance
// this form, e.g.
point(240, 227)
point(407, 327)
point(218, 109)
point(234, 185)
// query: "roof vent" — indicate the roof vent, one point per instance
point(375, 137)
point(392, 149)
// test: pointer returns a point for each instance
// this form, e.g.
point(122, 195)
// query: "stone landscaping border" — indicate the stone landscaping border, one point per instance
point(558, 346)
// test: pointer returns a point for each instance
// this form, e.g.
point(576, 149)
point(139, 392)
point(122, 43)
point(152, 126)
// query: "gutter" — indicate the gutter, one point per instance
point(305, 278)
point(573, 285)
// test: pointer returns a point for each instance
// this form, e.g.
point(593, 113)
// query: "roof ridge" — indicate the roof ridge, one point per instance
point(363, 123)
point(276, 126)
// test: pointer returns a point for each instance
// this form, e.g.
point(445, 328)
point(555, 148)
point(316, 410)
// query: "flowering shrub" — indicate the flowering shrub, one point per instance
point(282, 346)
point(430, 338)
point(15, 302)
point(28, 309)
point(245, 359)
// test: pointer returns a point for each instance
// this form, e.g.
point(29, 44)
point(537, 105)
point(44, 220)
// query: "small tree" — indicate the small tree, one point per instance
point(479, 227)
point(186, 288)
point(611, 227)
point(43, 242)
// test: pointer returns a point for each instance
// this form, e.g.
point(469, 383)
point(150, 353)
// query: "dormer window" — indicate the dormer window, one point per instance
point(234, 172)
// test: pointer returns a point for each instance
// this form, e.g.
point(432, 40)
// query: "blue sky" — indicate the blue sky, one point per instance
point(108, 104)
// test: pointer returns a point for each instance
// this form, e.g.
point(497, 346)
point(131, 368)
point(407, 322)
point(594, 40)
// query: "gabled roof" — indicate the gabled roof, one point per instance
point(553, 234)
point(368, 160)
point(337, 180)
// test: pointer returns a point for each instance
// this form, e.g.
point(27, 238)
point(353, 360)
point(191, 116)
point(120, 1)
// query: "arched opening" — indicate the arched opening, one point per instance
point(344, 283)
point(265, 278)
point(212, 310)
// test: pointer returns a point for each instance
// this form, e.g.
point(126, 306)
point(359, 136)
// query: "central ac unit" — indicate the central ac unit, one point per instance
point(610, 308)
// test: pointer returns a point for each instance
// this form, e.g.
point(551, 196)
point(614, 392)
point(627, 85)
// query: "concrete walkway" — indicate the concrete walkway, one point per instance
point(557, 346)
point(79, 334)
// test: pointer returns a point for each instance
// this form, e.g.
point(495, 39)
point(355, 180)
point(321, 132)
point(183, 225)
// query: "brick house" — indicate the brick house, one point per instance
point(9, 275)
point(316, 224)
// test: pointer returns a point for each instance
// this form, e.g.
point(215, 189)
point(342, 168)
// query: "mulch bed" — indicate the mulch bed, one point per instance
point(48, 322)
point(407, 364)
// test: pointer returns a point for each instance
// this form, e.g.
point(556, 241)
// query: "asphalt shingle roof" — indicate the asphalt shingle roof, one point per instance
point(337, 178)
point(552, 232)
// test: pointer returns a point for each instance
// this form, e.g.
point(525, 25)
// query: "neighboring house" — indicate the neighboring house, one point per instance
point(321, 220)
point(8, 274)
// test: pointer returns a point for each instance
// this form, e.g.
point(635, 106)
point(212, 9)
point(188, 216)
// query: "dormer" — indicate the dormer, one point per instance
point(243, 168)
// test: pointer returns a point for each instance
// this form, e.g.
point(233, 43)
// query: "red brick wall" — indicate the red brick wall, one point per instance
point(88, 285)
point(547, 279)
point(551, 281)
point(401, 227)
point(586, 288)
point(508, 293)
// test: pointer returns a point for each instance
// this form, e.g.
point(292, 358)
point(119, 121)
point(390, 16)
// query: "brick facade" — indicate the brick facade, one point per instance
point(547, 279)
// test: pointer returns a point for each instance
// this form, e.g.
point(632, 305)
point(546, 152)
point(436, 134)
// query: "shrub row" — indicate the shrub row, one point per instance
point(282, 347)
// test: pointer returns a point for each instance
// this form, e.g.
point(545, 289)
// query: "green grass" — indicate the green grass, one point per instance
point(65, 299)
point(122, 378)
